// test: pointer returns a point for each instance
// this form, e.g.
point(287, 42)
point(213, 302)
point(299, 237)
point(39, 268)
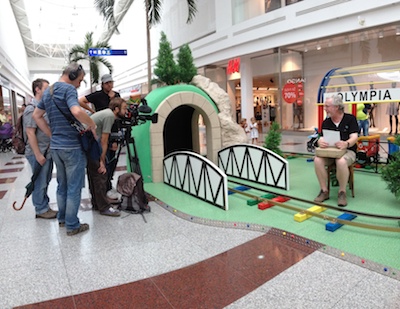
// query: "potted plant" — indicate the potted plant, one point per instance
point(391, 172)
point(273, 139)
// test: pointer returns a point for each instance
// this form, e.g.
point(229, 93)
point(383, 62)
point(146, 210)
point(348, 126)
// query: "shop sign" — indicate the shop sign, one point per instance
point(296, 81)
point(233, 66)
point(367, 95)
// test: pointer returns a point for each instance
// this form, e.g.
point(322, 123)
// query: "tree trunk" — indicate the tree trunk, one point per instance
point(148, 48)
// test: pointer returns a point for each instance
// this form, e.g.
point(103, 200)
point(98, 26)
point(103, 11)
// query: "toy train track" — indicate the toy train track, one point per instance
point(319, 215)
point(340, 209)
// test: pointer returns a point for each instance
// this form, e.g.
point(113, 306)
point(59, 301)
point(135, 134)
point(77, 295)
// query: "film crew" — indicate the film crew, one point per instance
point(101, 100)
point(96, 170)
point(58, 100)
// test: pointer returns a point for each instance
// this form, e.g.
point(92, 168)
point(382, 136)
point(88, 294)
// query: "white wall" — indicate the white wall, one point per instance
point(13, 60)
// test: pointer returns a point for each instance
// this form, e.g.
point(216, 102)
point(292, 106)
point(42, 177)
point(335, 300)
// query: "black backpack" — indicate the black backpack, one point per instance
point(134, 199)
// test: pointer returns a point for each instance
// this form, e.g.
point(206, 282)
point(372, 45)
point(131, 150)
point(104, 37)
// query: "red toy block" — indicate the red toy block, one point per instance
point(264, 205)
point(280, 199)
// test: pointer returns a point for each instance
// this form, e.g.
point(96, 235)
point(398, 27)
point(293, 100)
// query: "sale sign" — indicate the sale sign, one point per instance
point(293, 92)
point(289, 93)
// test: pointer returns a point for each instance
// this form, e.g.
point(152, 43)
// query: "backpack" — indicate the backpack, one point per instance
point(18, 140)
point(130, 186)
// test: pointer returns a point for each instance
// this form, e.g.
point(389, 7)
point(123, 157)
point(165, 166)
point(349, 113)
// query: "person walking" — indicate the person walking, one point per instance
point(58, 100)
point(37, 153)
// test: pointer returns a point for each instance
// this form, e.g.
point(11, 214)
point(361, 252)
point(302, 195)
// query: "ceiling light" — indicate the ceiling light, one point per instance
point(305, 48)
point(380, 34)
point(398, 30)
point(318, 47)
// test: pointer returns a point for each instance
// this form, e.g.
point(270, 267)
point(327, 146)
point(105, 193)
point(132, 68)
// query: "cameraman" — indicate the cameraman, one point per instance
point(96, 170)
point(101, 100)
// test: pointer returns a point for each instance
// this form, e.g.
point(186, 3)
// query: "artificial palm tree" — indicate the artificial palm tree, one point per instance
point(81, 52)
point(153, 9)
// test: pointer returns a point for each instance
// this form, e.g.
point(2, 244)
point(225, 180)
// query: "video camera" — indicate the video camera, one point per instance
point(133, 117)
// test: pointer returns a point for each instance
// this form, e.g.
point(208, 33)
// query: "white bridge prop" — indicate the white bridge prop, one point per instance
point(189, 172)
point(255, 163)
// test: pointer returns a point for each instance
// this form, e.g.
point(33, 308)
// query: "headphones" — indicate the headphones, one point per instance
point(74, 74)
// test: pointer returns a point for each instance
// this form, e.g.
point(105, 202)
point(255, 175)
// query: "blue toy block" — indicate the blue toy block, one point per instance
point(334, 226)
point(242, 188)
point(239, 188)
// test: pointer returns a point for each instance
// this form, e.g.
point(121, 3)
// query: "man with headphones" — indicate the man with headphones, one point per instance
point(59, 102)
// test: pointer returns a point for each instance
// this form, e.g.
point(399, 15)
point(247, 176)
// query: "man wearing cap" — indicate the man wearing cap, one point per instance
point(101, 100)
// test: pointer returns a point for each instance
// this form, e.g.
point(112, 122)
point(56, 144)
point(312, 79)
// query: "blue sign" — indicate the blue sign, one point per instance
point(102, 52)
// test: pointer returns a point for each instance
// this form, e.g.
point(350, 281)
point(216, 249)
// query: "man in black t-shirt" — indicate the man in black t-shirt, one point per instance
point(101, 100)
point(346, 124)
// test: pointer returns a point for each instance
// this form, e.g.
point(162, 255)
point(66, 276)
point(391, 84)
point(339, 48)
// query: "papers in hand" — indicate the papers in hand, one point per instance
point(331, 137)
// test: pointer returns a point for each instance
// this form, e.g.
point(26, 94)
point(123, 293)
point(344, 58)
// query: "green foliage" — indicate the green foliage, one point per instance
point(81, 52)
point(273, 139)
point(166, 69)
point(186, 67)
point(391, 172)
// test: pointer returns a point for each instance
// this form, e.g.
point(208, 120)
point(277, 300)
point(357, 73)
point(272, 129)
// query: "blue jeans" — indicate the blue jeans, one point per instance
point(71, 164)
point(40, 199)
point(363, 126)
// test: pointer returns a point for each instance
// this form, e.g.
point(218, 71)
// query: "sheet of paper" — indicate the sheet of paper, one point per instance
point(331, 136)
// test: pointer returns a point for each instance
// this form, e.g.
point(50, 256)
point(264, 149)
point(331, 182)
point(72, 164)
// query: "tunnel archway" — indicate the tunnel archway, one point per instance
point(178, 134)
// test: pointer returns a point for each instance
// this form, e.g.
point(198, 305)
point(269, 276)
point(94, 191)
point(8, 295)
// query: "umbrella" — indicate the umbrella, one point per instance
point(30, 186)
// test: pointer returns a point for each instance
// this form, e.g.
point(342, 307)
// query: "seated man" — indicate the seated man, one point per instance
point(337, 120)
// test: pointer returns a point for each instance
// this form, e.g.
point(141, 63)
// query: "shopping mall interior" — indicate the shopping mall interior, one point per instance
point(274, 60)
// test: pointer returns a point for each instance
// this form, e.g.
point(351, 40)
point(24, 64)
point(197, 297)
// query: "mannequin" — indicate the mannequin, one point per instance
point(393, 110)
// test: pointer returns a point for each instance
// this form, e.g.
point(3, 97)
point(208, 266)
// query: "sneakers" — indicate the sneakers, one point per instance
point(342, 201)
point(322, 196)
point(113, 194)
point(50, 214)
point(82, 228)
point(112, 212)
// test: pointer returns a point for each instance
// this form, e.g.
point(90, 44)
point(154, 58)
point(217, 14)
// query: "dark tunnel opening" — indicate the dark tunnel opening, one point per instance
point(178, 130)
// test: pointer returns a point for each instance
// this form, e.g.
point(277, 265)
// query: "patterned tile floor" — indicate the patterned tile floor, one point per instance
point(168, 262)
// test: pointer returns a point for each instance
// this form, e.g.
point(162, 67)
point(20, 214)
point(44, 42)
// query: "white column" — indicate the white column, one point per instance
point(246, 83)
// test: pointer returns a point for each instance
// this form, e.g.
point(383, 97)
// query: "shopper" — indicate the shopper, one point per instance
point(38, 154)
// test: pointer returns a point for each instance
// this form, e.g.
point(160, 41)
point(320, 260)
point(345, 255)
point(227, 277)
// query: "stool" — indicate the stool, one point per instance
point(332, 169)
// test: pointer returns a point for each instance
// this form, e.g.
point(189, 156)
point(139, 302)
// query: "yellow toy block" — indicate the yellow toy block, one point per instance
point(300, 217)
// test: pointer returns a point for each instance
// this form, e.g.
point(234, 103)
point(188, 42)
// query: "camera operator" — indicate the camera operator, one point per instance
point(96, 170)
point(101, 100)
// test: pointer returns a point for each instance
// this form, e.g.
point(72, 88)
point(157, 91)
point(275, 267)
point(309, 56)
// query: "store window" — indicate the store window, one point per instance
point(5, 105)
point(20, 104)
point(289, 2)
point(271, 5)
